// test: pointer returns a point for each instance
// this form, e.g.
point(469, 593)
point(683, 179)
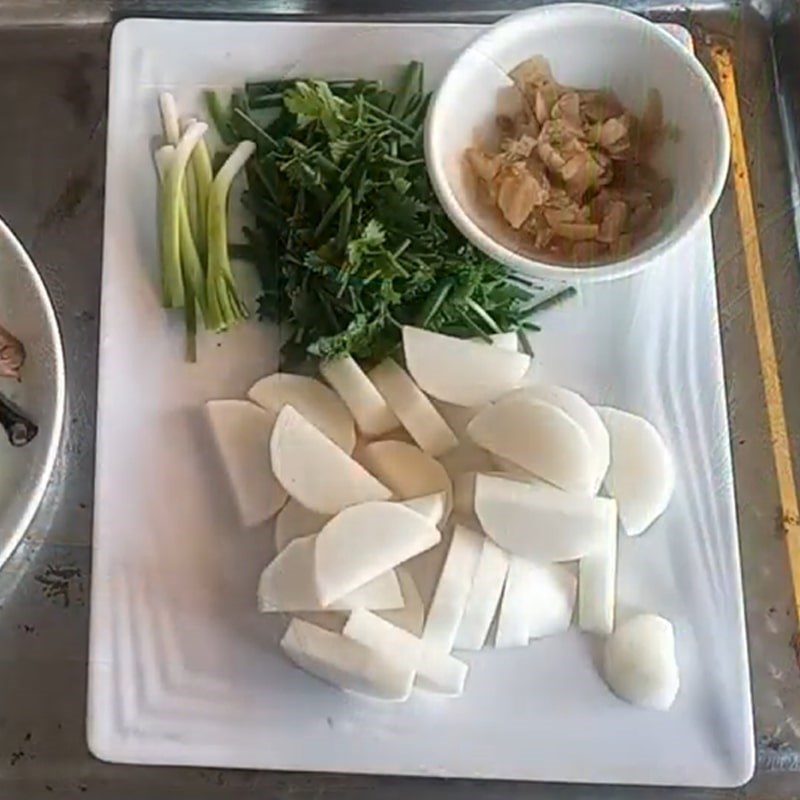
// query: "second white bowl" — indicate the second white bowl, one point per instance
point(592, 47)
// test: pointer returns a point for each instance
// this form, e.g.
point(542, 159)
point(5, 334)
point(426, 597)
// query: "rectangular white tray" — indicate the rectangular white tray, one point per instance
point(184, 670)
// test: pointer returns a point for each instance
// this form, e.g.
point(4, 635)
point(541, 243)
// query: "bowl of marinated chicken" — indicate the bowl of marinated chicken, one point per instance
point(577, 142)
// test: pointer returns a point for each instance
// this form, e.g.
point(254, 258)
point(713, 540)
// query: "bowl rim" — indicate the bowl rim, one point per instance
point(42, 469)
point(698, 212)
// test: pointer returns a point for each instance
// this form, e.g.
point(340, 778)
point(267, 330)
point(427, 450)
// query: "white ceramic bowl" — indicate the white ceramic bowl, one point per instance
point(588, 46)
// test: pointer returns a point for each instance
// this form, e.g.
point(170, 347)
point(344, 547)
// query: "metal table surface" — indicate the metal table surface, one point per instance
point(53, 76)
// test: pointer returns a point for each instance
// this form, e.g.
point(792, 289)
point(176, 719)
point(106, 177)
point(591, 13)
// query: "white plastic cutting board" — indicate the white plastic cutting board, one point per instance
point(185, 671)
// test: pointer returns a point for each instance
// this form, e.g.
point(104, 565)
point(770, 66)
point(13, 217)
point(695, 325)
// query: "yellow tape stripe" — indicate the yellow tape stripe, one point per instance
point(770, 374)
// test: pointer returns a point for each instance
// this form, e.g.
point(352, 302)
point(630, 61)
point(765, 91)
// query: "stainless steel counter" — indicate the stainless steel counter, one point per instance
point(53, 75)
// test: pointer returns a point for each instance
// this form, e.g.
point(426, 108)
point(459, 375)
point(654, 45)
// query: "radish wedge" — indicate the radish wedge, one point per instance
point(287, 584)
point(416, 413)
point(505, 341)
point(345, 663)
point(540, 438)
point(581, 412)
point(436, 671)
point(242, 434)
point(431, 506)
point(460, 371)
point(553, 589)
point(411, 617)
point(642, 474)
point(597, 585)
point(373, 417)
point(452, 590)
point(484, 596)
point(539, 522)
point(295, 521)
point(364, 541)
point(513, 621)
point(316, 472)
point(640, 664)
point(406, 470)
point(315, 401)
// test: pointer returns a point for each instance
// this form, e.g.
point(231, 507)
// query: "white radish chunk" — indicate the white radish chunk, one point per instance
point(431, 506)
point(411, 617)
point(597, 585)
point(287, 584)
point(242, 434)
point(540, 438)
point(539, 522)
point(436, 671)
point(511, 470)
point(506, 341)
point(295, 521)
point(315, 401)
point(484, 596)
point(347, 664)
point(407, 470)
point(459, 371)
point(373, 417)
point(513, 621)
point(365, 541)
point(640, 664)
point(553, 589)
point(316, 472)
point(452, 590)
point(642, 474)
point(416, 413)
point(581, 412)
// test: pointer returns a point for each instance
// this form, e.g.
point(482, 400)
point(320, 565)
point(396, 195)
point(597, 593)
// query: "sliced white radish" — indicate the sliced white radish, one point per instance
point(287, 584)
point(416, 413)
point(505, 341)
point(295, 521)
point(540, 438)
point(315, 471)
point(514, 619)
point(346, 663)
point(511, 470)
point(436, 671)
point(553, 589)
point(373, 417)
point(640, 664)
point(597, 585)
point(242, 434)
point(315, 401)
point(642, 474)
point(452, 590)
point(585, 415)
point(539, 522)
point(432, 506)
point(464, 489)
point(406, 470)
point(484, 596)
point(459, 371)
point(365, 541)
point(411, 617)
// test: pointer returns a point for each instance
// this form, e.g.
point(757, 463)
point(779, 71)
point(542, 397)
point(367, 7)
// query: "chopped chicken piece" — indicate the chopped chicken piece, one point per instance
point(614, 219)
point(577, 231)
point(572, 171)
point(483, 165)
point(518, 193)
